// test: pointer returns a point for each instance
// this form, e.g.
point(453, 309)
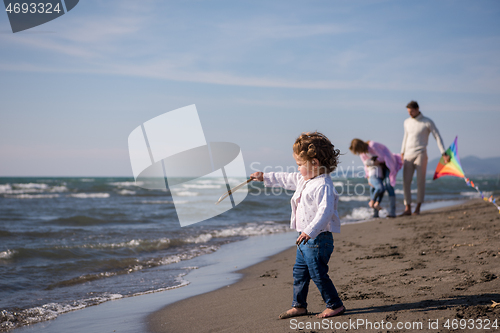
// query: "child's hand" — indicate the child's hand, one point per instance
point(258, 176)
point(303, 238)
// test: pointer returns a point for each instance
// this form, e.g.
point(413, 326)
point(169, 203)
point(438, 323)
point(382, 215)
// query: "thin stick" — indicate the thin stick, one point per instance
point(234, 189)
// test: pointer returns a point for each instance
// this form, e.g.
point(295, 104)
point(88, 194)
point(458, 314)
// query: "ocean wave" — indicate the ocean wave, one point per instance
point(78, 220)
point(186, 194)
point(399, 191)
point(40, 234)
point(38, 186)
point(87, 278)
point(30, 188)
point(137, 244)
point(201, 186)
point(147, 245)
point(123, 253)
point(90, 195)
point(475, 194)
point(363, 213)
point(130, 265)
point(7, 254)
point(127, 184)
point(252, 229)
point(5, 188)
point(341, 184)
point(354, 198)
point(179, 279)
point(60, 188)
point(87, 180)
point(232, 180)
point(153, 193)
point(203, 238)
point(16, 318)
point(161, 202)
point(196, 252)
point(10, 319)
point(32, 196)
point(211, 181)
point(126, 192)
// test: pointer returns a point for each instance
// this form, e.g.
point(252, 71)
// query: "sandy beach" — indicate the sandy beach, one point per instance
point(432, 273)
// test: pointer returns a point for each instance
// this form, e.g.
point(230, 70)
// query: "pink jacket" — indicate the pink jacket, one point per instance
point(384, 155)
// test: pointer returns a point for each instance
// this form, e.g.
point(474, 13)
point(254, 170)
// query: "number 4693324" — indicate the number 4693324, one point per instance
point(484, 324)
point(32, 8)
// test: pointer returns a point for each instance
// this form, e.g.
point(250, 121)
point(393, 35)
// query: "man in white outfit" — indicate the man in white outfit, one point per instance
point(414, 153)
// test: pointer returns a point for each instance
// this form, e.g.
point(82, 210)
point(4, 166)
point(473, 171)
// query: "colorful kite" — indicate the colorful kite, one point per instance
point(454, 168)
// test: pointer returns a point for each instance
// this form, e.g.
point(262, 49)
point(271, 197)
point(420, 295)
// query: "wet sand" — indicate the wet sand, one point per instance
point(419, 272)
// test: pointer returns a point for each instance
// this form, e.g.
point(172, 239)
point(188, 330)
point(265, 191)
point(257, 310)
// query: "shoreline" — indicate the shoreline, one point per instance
point(441, 265)
point(195, 284)
point(216, 270)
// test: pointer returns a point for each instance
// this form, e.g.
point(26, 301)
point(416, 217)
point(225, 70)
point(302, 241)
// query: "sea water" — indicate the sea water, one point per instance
point(69, 243)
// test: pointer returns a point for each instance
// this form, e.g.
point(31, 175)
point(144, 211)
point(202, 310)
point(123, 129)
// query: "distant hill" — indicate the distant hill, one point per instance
point(472, 165)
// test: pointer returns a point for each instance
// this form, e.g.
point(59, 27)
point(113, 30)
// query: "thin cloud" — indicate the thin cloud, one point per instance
point(271, 28)
point(127, 44)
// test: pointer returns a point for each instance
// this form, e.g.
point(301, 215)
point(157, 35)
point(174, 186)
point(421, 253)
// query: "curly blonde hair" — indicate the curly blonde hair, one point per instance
point(316, 145)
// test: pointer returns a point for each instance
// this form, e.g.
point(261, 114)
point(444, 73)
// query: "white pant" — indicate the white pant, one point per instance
point(412, 162)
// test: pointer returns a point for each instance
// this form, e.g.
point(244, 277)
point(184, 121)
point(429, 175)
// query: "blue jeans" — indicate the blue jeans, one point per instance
point(377, 189)
point(312, 263)
point(387, 183)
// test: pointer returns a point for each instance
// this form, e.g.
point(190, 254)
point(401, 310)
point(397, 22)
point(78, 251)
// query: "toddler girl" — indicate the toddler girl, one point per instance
point(314, 216)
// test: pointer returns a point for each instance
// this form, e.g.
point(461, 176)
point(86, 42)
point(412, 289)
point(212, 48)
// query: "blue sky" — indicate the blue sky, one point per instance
point(260, 73)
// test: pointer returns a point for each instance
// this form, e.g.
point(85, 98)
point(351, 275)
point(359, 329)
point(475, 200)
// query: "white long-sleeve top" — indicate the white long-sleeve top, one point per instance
point(416, 135)
point(314, 203)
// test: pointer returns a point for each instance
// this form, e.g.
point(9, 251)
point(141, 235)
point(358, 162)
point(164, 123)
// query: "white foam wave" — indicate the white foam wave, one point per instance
point(234, 180)
point(30, 188)
point(58, 189)
point(216, 181)
point(341, 184)
point(186, 194)
point(158, 202)
point(470, 194)
point(87, 180)
point(354, 198)
point(89, 195)
point(252, 229)
point(38, 186)
point(5, 188)
point(179, 279)
point(188, 255)
point(132, 243)
point(190, 267)
point(203, 238)
point(399, 191)
point(475, 194)
point(201, 186)
point(363, 213)
point(7, 254)
point(126, 184)
point(51, 310)
point(32, 196)
point(126, 192)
